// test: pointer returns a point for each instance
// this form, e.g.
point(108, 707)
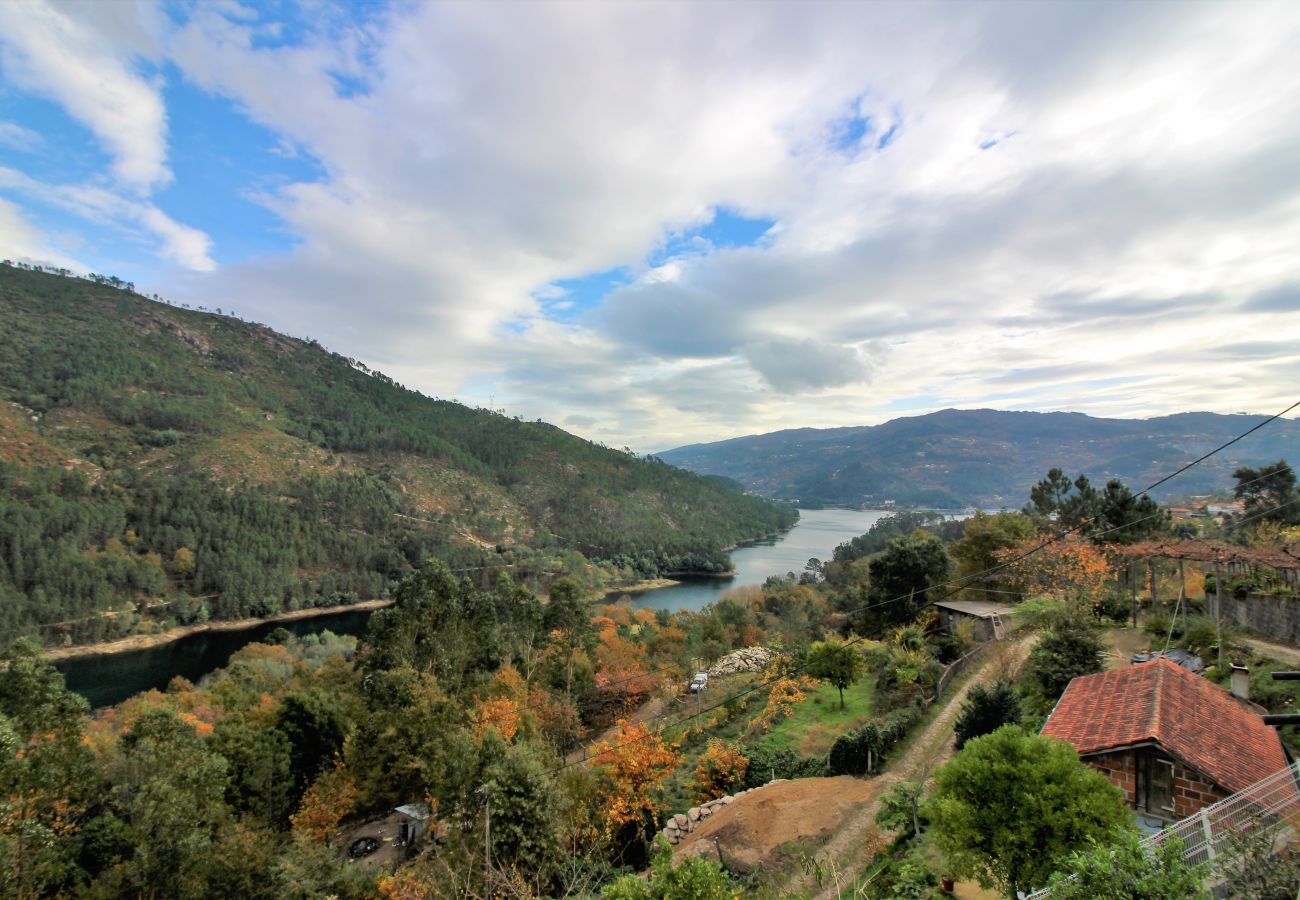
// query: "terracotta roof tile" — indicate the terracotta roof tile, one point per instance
point(1191, 718)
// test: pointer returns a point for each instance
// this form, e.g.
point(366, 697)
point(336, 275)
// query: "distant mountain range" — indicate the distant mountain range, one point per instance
point(986, 457)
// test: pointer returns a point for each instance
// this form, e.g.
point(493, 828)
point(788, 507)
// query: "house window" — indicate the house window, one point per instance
point(1155, 784)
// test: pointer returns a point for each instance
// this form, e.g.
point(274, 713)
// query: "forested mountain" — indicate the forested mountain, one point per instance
point(173, 464)
point(987, 457)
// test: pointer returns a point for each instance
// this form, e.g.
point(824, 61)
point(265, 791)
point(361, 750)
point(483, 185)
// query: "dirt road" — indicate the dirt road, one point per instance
point(767, 828)
point(651, 709)
point(1281, 652)
point(929, 750)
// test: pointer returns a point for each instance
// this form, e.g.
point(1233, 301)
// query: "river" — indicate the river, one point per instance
point(817, 534)
point(112, 678)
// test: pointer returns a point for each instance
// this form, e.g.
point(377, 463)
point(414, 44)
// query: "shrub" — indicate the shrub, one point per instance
point(863, 750)
point(1062, 655)
point(986, 710)
point(765, 764)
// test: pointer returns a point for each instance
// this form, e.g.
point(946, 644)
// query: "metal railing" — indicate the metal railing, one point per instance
point(1218, 829)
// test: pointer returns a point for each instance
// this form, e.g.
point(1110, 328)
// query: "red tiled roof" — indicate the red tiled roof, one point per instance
point(1191, 718)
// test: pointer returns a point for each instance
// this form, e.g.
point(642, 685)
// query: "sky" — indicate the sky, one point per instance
point(660, 223)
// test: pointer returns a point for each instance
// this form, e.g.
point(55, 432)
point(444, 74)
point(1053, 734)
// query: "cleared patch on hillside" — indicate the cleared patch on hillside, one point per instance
point(263, 457)
point(483, 510)
point(763, 828)
point(21, 443)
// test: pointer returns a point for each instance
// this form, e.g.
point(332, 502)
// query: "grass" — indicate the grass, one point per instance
point(818, 720)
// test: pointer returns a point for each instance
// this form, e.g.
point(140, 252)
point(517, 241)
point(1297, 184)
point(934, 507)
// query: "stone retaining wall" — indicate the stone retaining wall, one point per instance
point(683, 824)
point(1271, 617)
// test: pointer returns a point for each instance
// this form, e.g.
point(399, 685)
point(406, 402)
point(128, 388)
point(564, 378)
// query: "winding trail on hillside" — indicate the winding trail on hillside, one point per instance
point(767, 827)
point(930, 749)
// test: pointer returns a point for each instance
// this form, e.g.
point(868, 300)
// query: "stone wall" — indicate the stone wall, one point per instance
point(1272, 617)
point(683, 824)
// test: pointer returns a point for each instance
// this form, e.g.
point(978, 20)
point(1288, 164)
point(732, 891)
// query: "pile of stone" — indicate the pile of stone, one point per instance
point(683, 824)
point(747, 659)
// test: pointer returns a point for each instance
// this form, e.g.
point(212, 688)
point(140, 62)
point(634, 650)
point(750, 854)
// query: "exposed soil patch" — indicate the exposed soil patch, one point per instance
point(758, 829)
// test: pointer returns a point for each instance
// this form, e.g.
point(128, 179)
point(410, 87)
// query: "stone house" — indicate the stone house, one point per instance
point(1172, 741)
point(988, 619)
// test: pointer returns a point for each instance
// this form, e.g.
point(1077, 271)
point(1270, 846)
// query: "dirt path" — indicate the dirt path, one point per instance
point(766, 828)
point(930, 749)
point(1281, 652)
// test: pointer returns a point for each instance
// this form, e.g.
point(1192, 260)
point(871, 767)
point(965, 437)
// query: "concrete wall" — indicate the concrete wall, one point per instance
point(1273, 617)
point(982, 629)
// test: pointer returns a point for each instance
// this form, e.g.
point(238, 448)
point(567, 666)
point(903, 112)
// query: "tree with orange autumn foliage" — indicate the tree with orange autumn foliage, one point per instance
point(622, 669)
point(720, 771)
point(45, 773)
point(501, 713)
point(784, 691)
point(330, 797)
point(635, 762)
point(1069, 566)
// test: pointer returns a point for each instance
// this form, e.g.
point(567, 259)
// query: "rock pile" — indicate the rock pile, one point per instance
point(746, 659)
point(683, 824)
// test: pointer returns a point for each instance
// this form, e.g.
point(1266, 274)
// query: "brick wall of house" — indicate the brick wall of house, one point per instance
point(1120, 769)
point(1192, 790)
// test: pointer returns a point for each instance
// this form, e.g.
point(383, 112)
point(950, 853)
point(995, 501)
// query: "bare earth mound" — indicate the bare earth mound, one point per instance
point(750, 831)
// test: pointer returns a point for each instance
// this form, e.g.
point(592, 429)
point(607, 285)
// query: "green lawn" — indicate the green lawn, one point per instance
point(818, 720)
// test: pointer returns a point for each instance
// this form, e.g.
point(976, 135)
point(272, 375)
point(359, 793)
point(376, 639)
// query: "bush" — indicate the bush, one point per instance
point(1114, 606)
point(986, 710)
point(1064, 654)
point(765, 764)
point(863, 750)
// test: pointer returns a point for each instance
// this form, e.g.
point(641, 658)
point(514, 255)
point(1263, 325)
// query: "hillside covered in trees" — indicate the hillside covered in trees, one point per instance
point(985, 457)
point(163, 465)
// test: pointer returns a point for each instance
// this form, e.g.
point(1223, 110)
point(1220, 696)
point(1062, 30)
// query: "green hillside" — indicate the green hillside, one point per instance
point(987, 457)
point(163, 465)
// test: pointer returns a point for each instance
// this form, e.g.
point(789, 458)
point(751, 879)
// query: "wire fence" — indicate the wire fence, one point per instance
point(1218, 830)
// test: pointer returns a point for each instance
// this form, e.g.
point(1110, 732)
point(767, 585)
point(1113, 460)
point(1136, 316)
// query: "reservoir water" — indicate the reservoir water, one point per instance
point(112, 678)
point(817, 534)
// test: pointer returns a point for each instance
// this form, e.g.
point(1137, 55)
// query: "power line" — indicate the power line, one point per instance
point(962, 582)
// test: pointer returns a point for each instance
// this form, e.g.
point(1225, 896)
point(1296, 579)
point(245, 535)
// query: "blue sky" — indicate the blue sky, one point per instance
point(839, 214)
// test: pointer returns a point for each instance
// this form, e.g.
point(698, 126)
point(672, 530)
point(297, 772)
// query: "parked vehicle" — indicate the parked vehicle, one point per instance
point(700, 682)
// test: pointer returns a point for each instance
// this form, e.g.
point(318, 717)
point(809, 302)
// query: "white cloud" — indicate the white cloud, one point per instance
point(1074, 204)
point(24, 242)
point(59, 56)
point(181, 244)
point(19, 138)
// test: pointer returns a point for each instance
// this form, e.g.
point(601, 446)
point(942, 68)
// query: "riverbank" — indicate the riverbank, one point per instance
point(652, 584)
point(145, 641)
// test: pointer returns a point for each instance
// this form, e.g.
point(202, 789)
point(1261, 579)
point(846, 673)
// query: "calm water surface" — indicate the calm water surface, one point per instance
point(817, 534)
point(105, 680)
point(108, 679)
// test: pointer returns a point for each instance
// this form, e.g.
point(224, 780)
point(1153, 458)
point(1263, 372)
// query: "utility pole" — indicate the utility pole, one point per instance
point(487, 843)
point(1218, 611)
point(1133, 585)
point(1182, 589)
